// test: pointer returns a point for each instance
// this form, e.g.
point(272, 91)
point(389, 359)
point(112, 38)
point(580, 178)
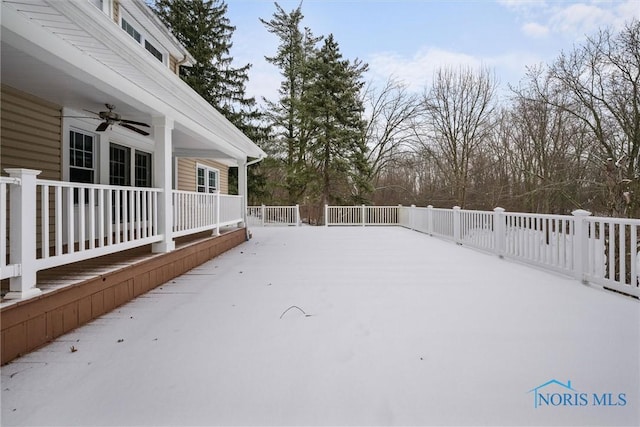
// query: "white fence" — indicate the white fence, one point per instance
point(260, 216)
point(604, 251)
point(360, 215)
point(52, 223)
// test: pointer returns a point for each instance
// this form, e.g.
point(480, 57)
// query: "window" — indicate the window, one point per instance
point(132, 31)
point(143, 169)
point(206, 179)
point(155, 52)
point(97, 3)
point(140, 38)
point(81, 157)
point(119, 165)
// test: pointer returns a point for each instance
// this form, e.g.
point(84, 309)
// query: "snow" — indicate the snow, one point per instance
point(400, 329)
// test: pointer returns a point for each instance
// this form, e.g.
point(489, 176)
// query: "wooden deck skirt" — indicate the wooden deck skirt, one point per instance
point(78, 293)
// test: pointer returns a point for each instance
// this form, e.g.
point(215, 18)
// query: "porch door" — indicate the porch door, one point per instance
point(123, 173)
point(119, 165)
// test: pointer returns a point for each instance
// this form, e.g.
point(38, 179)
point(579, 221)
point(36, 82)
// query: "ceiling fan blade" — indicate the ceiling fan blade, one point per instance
point(78, 117)
point(102, 126)
point(131, 122)
point(92, 112)
point(140, 131)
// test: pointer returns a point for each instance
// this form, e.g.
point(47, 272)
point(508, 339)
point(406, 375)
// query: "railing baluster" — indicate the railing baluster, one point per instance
point(612, 251)
point(622, 265)
point(44, 219)
point(81, 222)
point(70, 222)
point(3, 224)
point(634, 255)
point(92, 219)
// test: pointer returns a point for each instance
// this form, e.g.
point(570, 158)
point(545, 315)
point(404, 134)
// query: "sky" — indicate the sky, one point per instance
point(409, 39)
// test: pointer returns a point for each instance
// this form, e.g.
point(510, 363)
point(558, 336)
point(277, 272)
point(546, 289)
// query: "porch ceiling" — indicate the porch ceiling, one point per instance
point(47, 52)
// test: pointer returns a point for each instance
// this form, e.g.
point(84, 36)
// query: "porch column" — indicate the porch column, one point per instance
point(162, 127)
point(243, 189)
point(22, 238)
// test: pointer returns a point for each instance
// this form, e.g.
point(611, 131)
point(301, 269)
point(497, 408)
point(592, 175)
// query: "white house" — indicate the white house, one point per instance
point(103, 147)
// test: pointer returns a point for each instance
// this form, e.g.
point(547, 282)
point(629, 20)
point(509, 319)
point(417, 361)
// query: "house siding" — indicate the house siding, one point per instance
point(116, 11)
point(173, 64)
point(31, 131)
point(187, 174)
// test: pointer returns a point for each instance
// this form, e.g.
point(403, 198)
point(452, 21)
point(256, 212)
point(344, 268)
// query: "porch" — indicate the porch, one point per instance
point(342, 326)
point(55, 223)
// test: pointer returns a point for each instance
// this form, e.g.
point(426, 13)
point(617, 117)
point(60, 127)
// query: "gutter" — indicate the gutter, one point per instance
point(246, 195)
point(253, 162)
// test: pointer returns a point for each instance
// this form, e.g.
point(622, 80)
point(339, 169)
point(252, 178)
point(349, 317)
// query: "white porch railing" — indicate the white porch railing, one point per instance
point(7, 269)
point(603, 251)
point(260, 216)
point(81, 221)
point(52, 223)
point(196, 212)
point(230, 210)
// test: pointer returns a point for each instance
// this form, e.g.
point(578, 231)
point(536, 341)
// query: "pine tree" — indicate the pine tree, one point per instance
point(334, 104)
point(204, 29)
point(286, 115)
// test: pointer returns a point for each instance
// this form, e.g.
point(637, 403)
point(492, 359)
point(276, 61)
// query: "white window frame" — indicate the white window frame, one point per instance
point(94, 154)
point(144, 37)
point(101, 144)
point(208, 170)
point(86, 127)
point(106, 6)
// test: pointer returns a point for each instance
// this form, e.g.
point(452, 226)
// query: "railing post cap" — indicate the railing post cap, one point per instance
point(499, 209)
point(580, 212)
point(413, 206)
point(430, 207)
point(15, 172)
point(456, 208)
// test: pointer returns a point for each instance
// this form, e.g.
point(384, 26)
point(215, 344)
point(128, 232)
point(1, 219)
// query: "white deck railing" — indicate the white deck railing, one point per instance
point(361, 215)
point(603, 251)
point(53, 223)
point(260, 216)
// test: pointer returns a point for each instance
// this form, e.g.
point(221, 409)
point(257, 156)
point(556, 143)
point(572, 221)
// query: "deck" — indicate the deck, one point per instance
point(344, 326)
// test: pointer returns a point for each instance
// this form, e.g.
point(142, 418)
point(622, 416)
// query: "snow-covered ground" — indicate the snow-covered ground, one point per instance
point(400, 329)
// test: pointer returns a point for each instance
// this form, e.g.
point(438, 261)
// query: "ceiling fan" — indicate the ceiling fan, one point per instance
point(110, 118)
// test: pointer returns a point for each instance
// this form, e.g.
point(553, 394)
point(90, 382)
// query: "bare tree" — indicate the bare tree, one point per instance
point(391, 111)
point(457, 119)
point(601, 81)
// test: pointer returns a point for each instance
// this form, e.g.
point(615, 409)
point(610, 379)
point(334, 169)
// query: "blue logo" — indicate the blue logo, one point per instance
point(556, 393)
